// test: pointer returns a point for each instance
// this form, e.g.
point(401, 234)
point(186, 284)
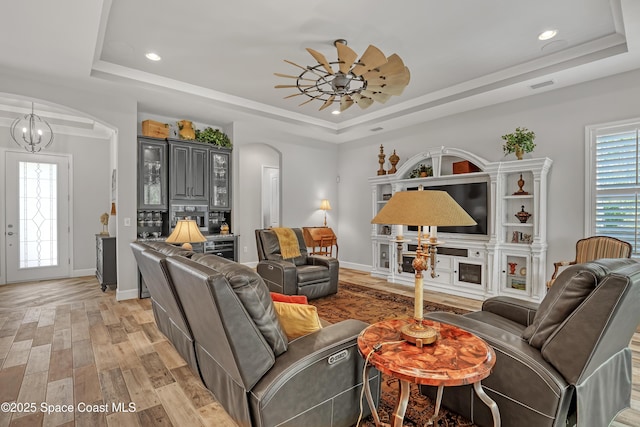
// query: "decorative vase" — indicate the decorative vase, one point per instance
point(186, 130)
point(519, 153)
point(393, 159)
point(512, 268)
point(520, 191)
point(523, 216)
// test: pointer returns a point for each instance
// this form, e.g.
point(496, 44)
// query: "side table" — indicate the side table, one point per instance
point(456, 358)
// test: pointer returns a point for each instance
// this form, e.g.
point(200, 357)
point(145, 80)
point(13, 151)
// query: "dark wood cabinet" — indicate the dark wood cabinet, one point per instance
point(189, 177)
point(152, 174)
point(106, 269)
point(220, 179)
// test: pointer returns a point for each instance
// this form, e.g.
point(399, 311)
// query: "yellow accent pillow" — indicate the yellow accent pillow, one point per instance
point(297, 319)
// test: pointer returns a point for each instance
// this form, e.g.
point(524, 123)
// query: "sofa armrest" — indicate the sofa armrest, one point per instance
point(332, 264)
point(515, 309)
point(280, 276)
point(322, 260)
point(315, 368)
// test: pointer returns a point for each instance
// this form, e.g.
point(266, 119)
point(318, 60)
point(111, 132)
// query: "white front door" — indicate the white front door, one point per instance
point(37, 216)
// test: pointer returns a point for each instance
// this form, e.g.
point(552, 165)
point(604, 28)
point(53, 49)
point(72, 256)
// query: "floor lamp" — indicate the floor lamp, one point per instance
point(426, 209)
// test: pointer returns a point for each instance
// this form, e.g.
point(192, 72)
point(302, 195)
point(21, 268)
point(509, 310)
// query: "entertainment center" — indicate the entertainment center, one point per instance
point(505, 254)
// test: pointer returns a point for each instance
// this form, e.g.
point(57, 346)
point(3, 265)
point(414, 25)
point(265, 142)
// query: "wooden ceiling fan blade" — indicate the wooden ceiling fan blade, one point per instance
point(307, 101)
point(289, 76)
point(345, 102)
point(400, 78)
point(295, 94)
point(393, 66)
point(371, 58)
point(346, 57)
point(294, 64)
point(328, 102)
point(290, 86)
point(362, 101)
point(321, 60)
point(387, 89)
point(376, 96)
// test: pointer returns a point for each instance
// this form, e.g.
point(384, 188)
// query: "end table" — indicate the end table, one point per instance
point(458, 357)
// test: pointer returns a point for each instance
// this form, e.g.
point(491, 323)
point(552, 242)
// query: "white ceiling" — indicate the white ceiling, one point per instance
point(462, 54)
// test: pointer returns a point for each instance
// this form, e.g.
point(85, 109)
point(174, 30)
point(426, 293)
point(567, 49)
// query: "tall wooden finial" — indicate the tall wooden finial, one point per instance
point(381, 156)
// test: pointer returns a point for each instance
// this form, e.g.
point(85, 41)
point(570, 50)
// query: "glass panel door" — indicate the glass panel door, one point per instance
point(37, 209)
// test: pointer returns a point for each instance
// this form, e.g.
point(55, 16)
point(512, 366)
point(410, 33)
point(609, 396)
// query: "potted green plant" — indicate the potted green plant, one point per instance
point(421, 171)
point(519, 142)
point(213, 136)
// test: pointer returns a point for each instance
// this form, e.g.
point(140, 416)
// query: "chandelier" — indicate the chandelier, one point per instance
point(31, 132)
point(373, 77)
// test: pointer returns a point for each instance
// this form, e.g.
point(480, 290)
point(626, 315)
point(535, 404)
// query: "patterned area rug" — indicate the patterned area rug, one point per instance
point(370, 305)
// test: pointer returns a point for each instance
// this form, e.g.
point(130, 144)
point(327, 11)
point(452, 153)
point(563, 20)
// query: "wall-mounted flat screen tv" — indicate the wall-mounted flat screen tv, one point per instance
point(473, 197)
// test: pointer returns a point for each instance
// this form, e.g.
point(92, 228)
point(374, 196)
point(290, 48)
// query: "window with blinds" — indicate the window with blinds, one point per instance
point(617, 185)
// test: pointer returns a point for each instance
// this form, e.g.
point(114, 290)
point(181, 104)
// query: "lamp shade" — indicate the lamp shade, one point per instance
point(186, 231)
point(324, 205)
point(425, 207)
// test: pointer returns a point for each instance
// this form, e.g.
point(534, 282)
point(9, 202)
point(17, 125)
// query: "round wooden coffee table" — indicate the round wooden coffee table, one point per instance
point(456, 358)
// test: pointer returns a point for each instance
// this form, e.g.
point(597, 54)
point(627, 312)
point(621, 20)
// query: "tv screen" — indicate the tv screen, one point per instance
point(473, 199)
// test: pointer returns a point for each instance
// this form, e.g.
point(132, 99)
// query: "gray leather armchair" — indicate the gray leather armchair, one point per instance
point(312, 275)
point(565, 360)
point(244, 357)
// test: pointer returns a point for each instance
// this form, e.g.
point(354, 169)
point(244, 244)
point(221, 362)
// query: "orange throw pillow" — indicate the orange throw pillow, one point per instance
point(297, 299)
point(297, 319)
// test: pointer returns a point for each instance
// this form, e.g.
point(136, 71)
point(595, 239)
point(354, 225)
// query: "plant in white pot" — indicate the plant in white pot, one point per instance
point(519, 142)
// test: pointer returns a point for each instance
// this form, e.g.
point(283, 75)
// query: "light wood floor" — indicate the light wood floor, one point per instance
point(64, 342)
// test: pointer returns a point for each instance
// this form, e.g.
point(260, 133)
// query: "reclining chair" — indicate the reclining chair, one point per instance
point(257, 375)
point(167, 309)
point(312, 275)
point(566, 359)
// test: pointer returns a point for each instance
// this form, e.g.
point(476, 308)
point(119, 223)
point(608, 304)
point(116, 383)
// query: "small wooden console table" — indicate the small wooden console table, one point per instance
point(456, 358)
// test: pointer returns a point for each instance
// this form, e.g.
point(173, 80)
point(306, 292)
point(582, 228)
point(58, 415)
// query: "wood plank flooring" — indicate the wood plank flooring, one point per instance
point(67, 345)
point(92, 361)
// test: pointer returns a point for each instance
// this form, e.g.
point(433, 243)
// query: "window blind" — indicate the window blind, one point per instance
point(617, 186)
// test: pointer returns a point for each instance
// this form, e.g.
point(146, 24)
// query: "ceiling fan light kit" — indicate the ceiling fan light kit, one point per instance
point(372, 78)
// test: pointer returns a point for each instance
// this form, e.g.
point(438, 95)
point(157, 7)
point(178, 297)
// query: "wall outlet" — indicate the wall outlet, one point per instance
point(127, 222)
point(244, 249)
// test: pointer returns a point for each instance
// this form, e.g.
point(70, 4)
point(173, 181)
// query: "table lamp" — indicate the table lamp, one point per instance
point(186, 232)
point(422, 208)
point(325, 206)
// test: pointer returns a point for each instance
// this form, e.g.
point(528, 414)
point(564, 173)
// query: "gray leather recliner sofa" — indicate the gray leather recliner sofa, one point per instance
point(244, 358)
point(314, 276)
point(563, 361)
point(167, 309)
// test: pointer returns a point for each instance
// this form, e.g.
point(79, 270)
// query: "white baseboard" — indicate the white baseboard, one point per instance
point(128, 294)
point(354, 266)
point(83, 272)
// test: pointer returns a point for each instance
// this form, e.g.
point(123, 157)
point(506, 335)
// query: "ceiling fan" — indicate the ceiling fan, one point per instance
point(373, 77)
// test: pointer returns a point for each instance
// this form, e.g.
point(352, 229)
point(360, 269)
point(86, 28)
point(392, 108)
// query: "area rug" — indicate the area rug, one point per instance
point(370, 305)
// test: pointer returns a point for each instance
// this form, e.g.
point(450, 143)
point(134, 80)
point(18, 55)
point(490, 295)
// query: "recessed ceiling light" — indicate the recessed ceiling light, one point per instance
point(546, 35)
point(336, 112)
point(153, 56)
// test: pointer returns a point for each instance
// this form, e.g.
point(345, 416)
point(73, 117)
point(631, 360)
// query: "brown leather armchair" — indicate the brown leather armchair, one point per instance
point(592, 248)
point(312, 275)
point(563, 361)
